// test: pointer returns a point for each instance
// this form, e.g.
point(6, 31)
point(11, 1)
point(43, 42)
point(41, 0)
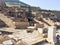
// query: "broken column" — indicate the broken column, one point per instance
point(52, 34)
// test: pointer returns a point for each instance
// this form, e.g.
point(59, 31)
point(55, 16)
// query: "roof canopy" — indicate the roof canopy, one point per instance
point(11, 3)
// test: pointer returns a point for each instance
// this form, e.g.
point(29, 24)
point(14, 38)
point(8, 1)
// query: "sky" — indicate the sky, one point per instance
point(44, 4)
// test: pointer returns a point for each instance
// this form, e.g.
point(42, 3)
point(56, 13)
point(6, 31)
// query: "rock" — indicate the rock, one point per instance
point(8, 42)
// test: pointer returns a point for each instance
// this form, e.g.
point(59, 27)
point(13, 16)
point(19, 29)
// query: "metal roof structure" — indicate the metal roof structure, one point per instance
point(18, 3)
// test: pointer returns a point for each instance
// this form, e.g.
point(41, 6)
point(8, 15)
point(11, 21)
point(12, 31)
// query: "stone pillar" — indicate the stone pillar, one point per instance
point(52, 34)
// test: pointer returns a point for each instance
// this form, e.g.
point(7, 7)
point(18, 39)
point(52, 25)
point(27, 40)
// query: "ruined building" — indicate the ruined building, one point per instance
point(23, 15)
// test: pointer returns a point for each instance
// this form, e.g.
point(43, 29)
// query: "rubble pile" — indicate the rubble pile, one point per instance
point(28, 26)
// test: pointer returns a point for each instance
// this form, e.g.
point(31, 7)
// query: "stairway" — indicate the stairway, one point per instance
point(7, 20)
